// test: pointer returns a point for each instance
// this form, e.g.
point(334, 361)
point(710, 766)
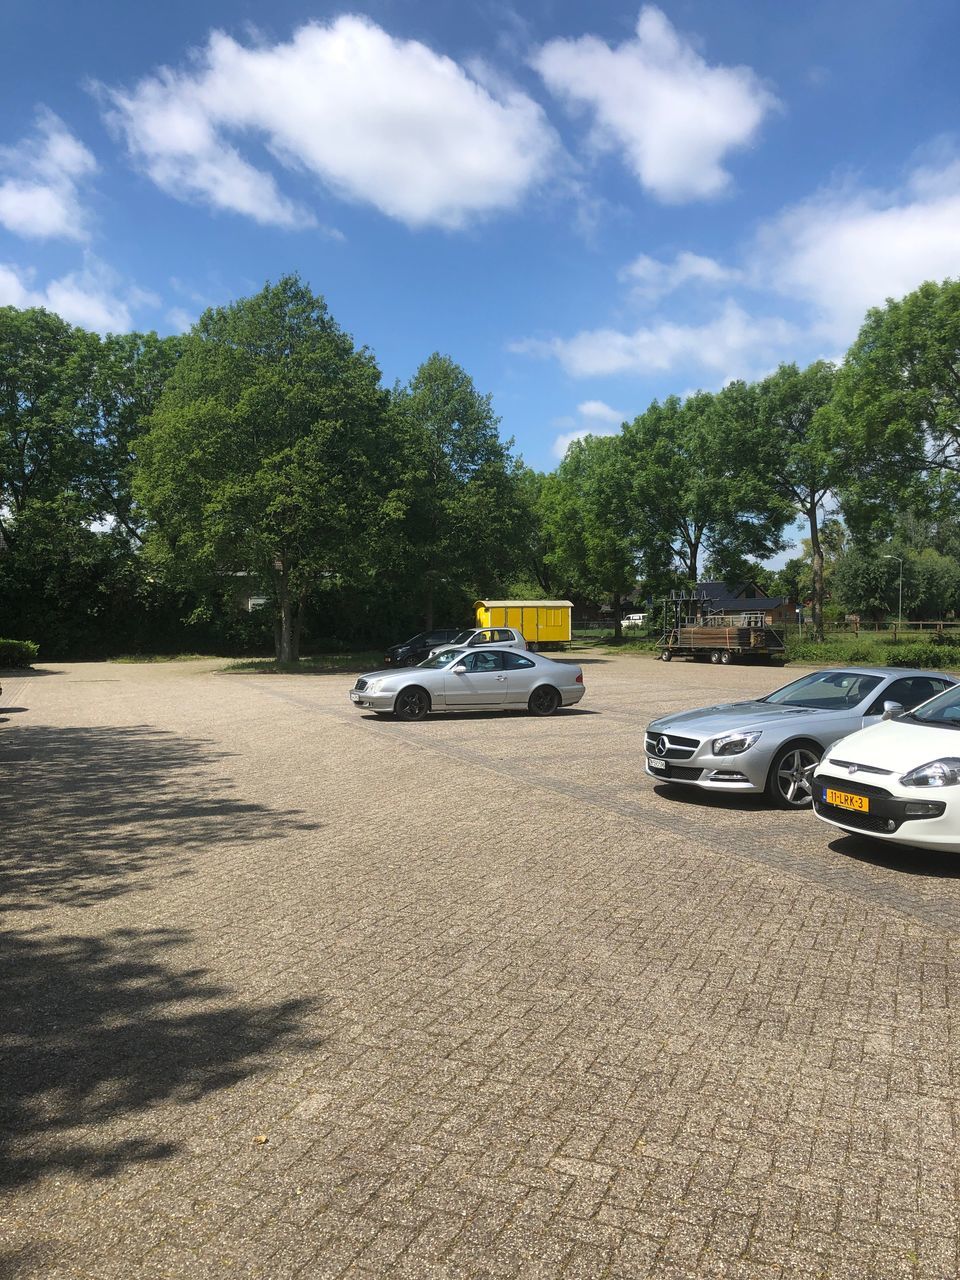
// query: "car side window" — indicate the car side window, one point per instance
point(482, 637)
point(909, 692)
point(504, 637)
point(515, 661)
point(479, 662)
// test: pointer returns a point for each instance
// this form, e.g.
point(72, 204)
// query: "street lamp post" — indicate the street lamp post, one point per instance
point(899, 560)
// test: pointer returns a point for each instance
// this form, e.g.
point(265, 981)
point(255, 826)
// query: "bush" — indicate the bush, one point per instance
point(923, 653)
point(17, 653)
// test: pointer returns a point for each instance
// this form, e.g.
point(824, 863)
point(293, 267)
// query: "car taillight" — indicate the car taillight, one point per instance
point(579, 677)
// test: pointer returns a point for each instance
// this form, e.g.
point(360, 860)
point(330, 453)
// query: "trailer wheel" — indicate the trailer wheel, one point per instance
point(726, 657)
point(716, 656)
point(666, 655)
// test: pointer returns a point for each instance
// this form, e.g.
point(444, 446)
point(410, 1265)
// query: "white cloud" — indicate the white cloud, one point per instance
point(726, 345)
point(845, 250)
point(93, 297)
point(181, 319)
point(378, 120)
point(40, 181)
point(673, 116)
point(596, 419)
point(597, 411)
point(652, 279)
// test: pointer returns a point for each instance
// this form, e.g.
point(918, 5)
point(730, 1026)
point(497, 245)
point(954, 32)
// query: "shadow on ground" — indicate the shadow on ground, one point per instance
point(903, 858)
point(90, 813)
point(696, 799)
point(101, 1031)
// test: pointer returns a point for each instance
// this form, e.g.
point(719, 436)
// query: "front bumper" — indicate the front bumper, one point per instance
point(380, 701)
point(891, 812)
point(712, 773)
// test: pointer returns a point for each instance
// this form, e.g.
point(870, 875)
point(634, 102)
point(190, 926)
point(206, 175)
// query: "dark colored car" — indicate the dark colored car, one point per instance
point(418, 647)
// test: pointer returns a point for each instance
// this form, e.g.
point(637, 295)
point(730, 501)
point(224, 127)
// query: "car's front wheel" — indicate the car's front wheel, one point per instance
point(543, 701)
point(790, 782)
point(411, 704)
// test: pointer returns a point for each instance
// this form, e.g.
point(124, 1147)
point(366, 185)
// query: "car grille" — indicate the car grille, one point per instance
point(677, 748)
point(861, 768)
point(858, 788)
point(360, 685)
point(683, 774)
point(850, 818)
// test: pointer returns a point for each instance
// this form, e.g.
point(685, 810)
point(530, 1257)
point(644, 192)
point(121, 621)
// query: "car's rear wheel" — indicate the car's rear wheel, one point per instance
point(543, 701)
point(790, 781)
point(412, 703)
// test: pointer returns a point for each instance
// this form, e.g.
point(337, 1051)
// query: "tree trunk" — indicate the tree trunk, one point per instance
point(617, 621)
point(288, 649)
point(816, 603)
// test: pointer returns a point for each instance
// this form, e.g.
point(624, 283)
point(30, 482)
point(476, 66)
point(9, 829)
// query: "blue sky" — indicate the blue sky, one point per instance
point(587, 206)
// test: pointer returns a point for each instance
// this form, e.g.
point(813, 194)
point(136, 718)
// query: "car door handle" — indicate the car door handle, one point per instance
point(501, 677)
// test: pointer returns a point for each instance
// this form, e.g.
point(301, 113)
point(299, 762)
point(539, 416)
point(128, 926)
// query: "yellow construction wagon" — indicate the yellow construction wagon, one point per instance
point(539, 621)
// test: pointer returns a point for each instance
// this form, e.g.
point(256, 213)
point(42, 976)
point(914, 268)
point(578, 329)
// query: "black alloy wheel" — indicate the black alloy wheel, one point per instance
point(544, 700)
point(412, 703)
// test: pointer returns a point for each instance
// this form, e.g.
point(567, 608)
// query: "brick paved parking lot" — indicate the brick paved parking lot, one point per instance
point(292, 991)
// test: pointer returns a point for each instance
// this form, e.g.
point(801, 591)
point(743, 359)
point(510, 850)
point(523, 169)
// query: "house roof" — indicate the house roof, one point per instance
point(723, 599)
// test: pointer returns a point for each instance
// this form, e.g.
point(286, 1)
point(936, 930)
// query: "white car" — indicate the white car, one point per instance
point(633, 621)
point(899, 780)
point(475, 637)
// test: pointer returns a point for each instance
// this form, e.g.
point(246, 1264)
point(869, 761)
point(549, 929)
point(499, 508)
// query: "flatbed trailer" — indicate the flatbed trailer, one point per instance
point(721, 643)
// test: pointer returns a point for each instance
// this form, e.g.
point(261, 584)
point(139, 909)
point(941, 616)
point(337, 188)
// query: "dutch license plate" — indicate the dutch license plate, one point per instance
point(844, 800)
point(657, 764)
point(354, 697)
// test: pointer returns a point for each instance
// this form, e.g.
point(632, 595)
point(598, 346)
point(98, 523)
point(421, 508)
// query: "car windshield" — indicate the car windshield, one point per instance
point(463, 636)
point(944, 709)
point(413, 640)
point(825, 690)
point(442, 659)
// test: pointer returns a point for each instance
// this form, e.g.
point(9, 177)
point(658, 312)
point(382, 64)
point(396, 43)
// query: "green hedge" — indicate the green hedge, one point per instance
point(17, 653)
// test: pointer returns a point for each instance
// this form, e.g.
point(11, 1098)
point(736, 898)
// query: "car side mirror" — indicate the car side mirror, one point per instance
point(891, 710)
point(459, 669)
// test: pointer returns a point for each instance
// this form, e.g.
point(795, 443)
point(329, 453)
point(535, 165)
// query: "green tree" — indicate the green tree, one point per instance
point(699, 489)
point(898, 403)
point(45, 373)
point(797, 449)
point(586, 516)
point(268, 455)
point(461, 523)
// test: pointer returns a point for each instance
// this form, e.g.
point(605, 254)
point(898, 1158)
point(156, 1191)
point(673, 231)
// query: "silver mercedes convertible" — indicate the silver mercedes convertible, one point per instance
point(773, 744)
point(469, 680)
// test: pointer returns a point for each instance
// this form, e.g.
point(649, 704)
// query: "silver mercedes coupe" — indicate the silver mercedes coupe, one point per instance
point(470, 680)
point(773, 744)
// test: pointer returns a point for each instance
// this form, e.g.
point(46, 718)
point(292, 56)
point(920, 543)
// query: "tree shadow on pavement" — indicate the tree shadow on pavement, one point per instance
point(97, 1033)
point(88, 814)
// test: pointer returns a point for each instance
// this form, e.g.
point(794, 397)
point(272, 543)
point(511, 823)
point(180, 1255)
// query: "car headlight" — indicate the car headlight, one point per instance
point(732, 744)
point(938, 773)
point(373, 685)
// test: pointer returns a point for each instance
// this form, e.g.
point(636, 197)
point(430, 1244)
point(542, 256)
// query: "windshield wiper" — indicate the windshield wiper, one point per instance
point(936, 724)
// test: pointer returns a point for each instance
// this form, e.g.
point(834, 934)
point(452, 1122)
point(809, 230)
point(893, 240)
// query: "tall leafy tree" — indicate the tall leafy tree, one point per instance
point(461, 526)
point(45, 372)
point(898, 405)
point(267, 454)
point(586, 516)
point(797, 450)
point(700, 491)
